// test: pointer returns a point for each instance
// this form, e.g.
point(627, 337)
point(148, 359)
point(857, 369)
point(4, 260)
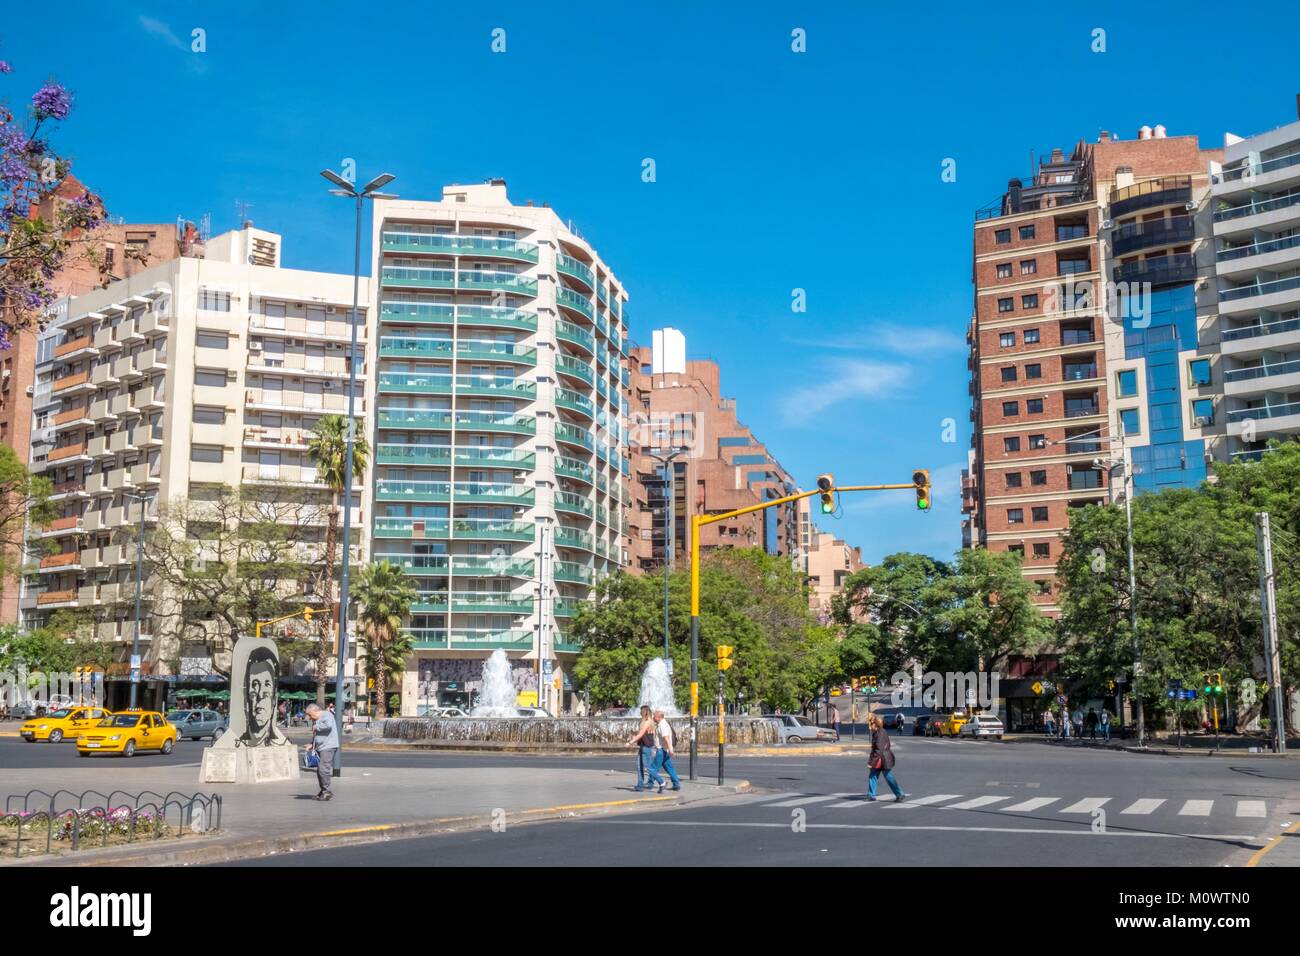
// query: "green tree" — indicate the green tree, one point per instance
point(385, 593)
point(327, 449)
point(23, 498)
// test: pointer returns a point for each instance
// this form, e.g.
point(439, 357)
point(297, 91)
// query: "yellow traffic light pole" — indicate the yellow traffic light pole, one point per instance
point(304, 613)
point(699, 521)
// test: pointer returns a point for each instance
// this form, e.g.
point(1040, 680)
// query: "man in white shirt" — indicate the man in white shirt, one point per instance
point(664, 756)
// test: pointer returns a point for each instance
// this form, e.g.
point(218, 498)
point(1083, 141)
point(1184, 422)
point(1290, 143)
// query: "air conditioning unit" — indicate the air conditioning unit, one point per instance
point(31, 390)
point(231, 375)
point(1200, 421)
point(254, 346)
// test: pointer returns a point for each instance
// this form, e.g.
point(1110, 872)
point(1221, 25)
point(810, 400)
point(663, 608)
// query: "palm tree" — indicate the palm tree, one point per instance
point(327, 449)
point(385, 593)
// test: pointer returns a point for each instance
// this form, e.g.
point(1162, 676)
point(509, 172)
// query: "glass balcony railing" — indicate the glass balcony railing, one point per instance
point(1256, 169)
point(1267, 328)
point(1077, 336)
point(402, 346)
point(1262, 371)
point(1264, 412)
point(489, 602)
point(1159, 270)
point(572, 366)
point(574, 334)
point(1082, 446)
point(1258, 248)
point(568, 501)
point(1259, 288)
point(1081, 480)
point(1074, 373)
point(568, 607)
point(470, 420)
point(1251, 208)
point(457, 245)
point(440, 383)
point(1170, 231)
point(574, 435)
point(388, 453)
point(483, 529)
point(484, 280)
point(573, 538)
point(442, 565)
point(572, 300)
point(484, 639)
point(565, 398)
point(573, 468)
point(476, 280)
point(572, 572)
point(490, 316)
point(387, 489)
point(1166, 191)
point(474, 456)
point(572, 267)
point(1080, 409)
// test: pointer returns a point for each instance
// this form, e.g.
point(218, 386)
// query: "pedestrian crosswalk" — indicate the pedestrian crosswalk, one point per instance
point(1006, 803)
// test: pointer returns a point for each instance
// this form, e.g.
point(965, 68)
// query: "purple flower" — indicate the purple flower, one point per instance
point(52, 100)
point(5, 67)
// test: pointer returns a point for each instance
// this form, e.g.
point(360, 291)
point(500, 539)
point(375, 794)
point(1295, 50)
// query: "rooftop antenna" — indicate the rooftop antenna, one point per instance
point(241, 211)
point(205, 226)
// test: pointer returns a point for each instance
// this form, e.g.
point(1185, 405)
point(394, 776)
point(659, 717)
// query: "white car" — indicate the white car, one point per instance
point(982, 725)
point(795, 729)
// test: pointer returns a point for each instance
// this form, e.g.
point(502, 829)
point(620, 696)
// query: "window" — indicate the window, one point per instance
point(1009, 373)
point(1007, 339)
point(1040, 513)
point(1002, 236)
point(1130, 421)
point(1199, 372)
point(1042, 550)
point(1028, 267)
point(1127, 382)
point(1004, 270)
point(1006, 305)
point(213, 301)
point(1029, 301)
point(1017, 549)
point(212, 340)
point(1037, 441)
point(1066, 232)
point(1034, 406)
point(1031, 336)
point(209, 415)
point(1033, 371)
point(1011, 444)
point(210, 378)
point(1203, 412)
point(1038, 477)
point(1015, 516)
point(1013, 479)
point(208, 453)
point(1010, 409)
point(1044, 587)
point(1069, 267)
point(1026, 232)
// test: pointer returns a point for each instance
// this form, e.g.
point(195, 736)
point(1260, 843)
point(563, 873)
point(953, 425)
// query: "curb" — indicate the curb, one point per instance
point(1273, 844)
point(213, 851)
point(1164, 750)
point(580, 750)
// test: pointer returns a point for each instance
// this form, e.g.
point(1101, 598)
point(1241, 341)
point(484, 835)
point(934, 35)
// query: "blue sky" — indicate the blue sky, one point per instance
point(775, 170)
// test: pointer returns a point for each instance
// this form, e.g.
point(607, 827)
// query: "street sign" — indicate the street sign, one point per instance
point(1060, 699)
point(1037, 686)
point(1175, 685)
point(547, 666)
point(135, 675)
point(135, 661)
point(668, 662)
point(1189, 695)
point(1171, 694)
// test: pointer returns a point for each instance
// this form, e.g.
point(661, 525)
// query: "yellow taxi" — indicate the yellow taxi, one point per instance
point(952, 724)
point(127, 732)
point(66, 723)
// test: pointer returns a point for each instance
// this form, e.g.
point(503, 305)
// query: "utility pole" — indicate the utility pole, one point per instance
point(1268, 609)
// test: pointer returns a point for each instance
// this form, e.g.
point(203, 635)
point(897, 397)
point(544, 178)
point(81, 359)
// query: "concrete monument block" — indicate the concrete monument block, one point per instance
point(253, 750)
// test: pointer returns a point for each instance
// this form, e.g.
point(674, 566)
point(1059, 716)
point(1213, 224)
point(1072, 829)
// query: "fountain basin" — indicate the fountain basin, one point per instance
point(561, 733)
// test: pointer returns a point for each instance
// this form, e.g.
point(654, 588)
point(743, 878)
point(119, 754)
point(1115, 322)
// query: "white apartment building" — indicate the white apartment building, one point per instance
point(191, 375)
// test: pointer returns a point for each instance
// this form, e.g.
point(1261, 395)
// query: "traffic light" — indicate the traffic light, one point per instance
point(853, 683)
point(871, 684)
point(921, 478)
point(724, 656)
point(306, 614)
point(1218, 685)
point(826, 485)
point(1209, 686)
point(1110, 687)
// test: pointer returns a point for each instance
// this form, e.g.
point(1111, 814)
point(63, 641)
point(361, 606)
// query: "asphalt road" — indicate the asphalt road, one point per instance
point(973, 803)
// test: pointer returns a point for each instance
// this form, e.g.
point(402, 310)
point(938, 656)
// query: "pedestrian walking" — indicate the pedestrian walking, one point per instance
point(835, 721)
point(1065, 723)
point(1077, 720)
point(664, 756)
point(1049, 723)
point(644, 741)
point(325, 742)
point(1092, 723)
point(1104, 720)
point(881, 760)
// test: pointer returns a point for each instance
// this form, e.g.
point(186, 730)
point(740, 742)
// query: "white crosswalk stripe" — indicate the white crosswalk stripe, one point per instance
point(1086, 805)
point(1037, 803)
point(1143, 806)
point(1251, 808)
point(924, 801)
point(859, 801)
point(1196, 808)
point(975, 803)
point(802, 801)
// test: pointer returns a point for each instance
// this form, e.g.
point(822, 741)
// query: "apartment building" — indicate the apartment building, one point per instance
point(1069, 371)
point(501, 464)
point(1255, 195)
point(828, 562)
point(723, 466)
point(119, 250)
point(188, 376)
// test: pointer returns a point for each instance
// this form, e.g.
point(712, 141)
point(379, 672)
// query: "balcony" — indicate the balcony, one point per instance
point(1167, 191)
point(483, 640)
point(476, 280)
point(80, 381)
point(568, 365)
point(1253, 208)
point(441, 565)
point(53, 599)
point(1085, 480)
point(454, 244)
point(470, 420)
point(66, 453)
point(576, 504)
point(1282, 417)
point(1256, 169)
point(574, 573)
point(1245, 339)
point(572, 435)
point(441, 383)
point(1159, 271)
point(1136, 236)
point(1077, 373)
point(75, 347)
point(1077, 336)
point(572, 300)
point(388, 453)
point(569, 266)
point(575, 335)
point(1272, 287)
point(564, 398)
point(1255, 373)
point(489, 602)
point(467, 492)
point(395, 346)
point(468, 529)
point(573, 538)
point(573, 468)
point(74, 416)
point(476, 456)
point(1258, 249)
point(67, 561)
point(1078, 409)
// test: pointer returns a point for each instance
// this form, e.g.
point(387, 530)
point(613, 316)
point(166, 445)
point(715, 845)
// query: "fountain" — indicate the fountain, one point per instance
point(657, 689)
point(498, 696)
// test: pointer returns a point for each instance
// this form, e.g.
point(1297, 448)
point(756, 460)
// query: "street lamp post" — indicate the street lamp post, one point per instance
point(670, 518)
point(369, 191)
point(139, 596)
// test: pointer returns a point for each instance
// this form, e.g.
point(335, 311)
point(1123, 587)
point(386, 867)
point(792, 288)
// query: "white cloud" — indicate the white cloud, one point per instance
point(945, 495)
point(842, 380)
point(889, 337)
point(159, 29)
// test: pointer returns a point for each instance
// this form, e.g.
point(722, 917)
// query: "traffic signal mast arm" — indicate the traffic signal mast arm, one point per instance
point(304, 613)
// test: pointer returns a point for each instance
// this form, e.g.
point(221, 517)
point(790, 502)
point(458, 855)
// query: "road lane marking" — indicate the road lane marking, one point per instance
point(860, 801)
point(1143, 806)
point(1086, 805)
point(1251, 808)
point(1034, 804)
point(1081, 831)
point(768, 797)
point(802, 801)
point(923, 801)
point(1196, 808)
point(1273, 844)
point(974, 804)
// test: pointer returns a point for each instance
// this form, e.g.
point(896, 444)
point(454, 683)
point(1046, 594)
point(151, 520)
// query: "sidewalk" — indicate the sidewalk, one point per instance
point(1193, 746)
point(1282, 850)
point(370, 804)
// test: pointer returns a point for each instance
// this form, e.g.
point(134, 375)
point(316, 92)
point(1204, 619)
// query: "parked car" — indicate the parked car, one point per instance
point(795, 729)
point(919, 729)
point(934, 726)
point(127, 732)
point(195, 724)
point(27, 709)
point(952, 723)
point(532, 712)
point(66, 723)
point(440, 712)
point(982, 725)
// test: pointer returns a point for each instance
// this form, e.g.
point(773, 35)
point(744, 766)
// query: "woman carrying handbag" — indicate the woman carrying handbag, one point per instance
point(881, 760)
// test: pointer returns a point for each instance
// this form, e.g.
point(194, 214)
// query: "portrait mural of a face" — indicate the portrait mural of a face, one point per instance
point(254, 680)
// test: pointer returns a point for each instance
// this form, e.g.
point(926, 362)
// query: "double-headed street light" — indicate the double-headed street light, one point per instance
point(369, 191)
point(670, 519)
point(139, 595)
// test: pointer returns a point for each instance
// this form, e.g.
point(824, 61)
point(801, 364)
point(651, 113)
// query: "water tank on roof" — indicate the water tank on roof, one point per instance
point(1144, 132)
